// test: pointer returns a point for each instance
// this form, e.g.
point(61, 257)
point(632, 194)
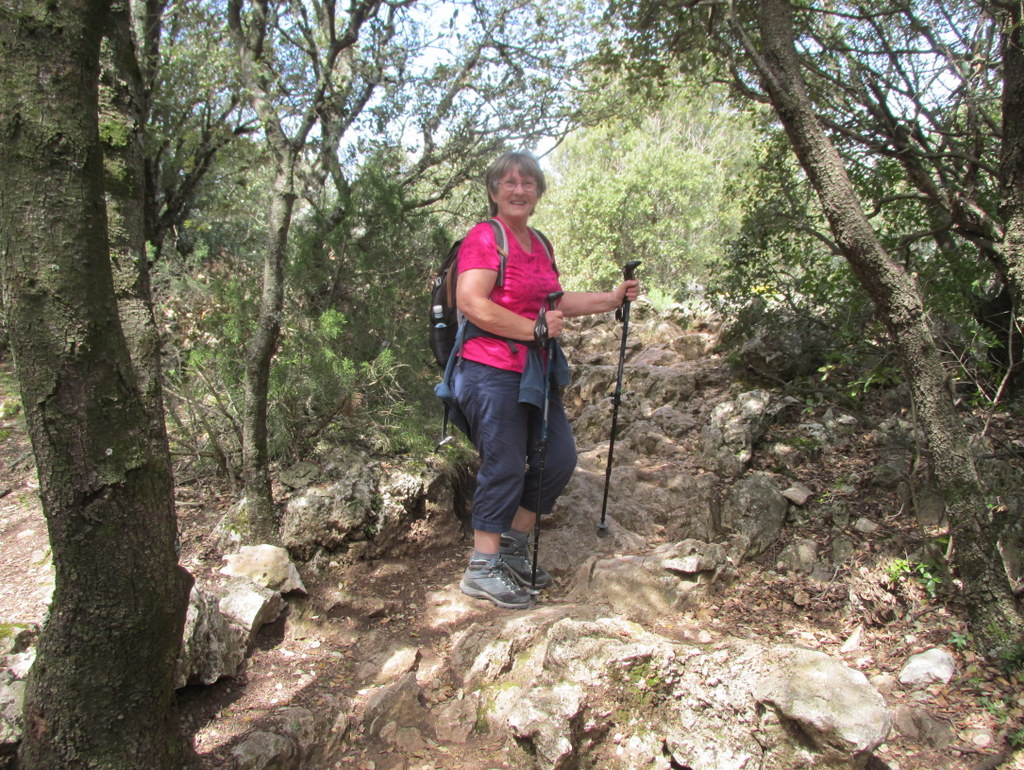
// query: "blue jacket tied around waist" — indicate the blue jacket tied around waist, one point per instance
point(531, 386)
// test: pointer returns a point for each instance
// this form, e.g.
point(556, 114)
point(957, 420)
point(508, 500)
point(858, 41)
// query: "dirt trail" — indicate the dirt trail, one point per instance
point(316, 655)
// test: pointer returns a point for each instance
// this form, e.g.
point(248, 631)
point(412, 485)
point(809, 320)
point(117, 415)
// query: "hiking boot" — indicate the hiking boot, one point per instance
point(517, 556)
point(493, 581)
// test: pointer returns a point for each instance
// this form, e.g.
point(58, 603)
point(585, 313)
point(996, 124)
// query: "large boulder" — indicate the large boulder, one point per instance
point(329, 516)
point(841, 716)
point(604, 692)
point(735, 426)
point(371, 509)
point(775, 343)
point(212, 647)
point(755, 508)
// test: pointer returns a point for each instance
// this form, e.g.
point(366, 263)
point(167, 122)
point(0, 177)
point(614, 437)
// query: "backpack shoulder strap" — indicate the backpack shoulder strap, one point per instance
point(547, 247)
point(501, 241)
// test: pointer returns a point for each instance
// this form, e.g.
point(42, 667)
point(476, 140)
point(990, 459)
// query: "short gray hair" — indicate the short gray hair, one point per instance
point(503, 166)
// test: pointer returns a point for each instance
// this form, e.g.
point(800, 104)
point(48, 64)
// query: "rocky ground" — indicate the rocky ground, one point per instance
point(359, 621)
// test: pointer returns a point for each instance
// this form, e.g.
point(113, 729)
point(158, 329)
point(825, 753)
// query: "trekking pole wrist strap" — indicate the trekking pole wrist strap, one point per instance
point(540, 327)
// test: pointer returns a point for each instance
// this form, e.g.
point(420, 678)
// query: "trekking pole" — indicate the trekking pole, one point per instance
point(542, 446)
point(627, 271)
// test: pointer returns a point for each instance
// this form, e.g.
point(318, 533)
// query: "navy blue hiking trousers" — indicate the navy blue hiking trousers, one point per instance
point(506, 434)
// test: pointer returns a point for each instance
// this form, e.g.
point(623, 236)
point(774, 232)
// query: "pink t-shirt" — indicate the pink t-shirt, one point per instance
point(529, 278)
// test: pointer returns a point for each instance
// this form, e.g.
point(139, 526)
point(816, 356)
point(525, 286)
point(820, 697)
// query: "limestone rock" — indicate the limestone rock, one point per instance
point(211, 646)
point(268, 565)
point(754, 507)
point(290, 738)
point(918, 724)
point(798, 494)
point(543, 720)
point(455, 721)
point(645, 588)
point(389, 664)
point(800, 556)
point(730, 705)
point(831, 704)
point(329, 515)
point(735, 426)
point(398, 702)
point(12, 699)
point(262, 750)
point(930, 667)
point(251, 606)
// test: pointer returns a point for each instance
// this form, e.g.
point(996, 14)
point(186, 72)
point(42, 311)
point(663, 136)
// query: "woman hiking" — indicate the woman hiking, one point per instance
point(514, 484)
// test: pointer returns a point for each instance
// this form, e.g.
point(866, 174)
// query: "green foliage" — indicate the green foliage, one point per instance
point(1016, 738)
point(927, 575)
point(660, 299)
point(642, 685)
point(195, 119)
point(10, 406)
point(934, 213)
point(114, 132)
point(859, 376)
point(782, 256)
point(959, 640)
point(10, 630)
point(353, 364)
point(226, 222)
point(1011, 657)
point(664, 186)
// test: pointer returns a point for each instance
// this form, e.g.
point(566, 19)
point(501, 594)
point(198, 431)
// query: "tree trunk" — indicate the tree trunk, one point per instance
point(120, 113)
point(100, 693)
point(995, 616)
point(1012, 170)
point(260, 512)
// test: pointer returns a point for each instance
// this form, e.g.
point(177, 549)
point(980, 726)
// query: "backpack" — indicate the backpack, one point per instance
point(445, 317)
point(448, 328)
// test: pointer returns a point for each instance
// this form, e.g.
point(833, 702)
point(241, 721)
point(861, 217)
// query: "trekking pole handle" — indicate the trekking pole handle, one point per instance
point(540, 326)
point(628, 269)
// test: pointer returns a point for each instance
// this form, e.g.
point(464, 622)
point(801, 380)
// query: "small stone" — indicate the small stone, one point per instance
point(797, 494)
point(929, 667)
point(980, 737)
point(853, 642)
point(884, 683)
point(865, 525)
point(801, 598)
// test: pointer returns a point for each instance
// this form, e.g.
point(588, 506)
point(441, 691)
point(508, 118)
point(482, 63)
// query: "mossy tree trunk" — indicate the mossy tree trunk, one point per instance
point(100, 693)
point(260, 520)
point(121, 120)
point(1012, 166)
point(996, 618)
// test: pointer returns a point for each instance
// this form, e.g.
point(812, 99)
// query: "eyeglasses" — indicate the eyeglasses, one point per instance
point(528, 185)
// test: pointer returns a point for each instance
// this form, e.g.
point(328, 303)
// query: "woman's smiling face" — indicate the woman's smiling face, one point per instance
point(516, 196)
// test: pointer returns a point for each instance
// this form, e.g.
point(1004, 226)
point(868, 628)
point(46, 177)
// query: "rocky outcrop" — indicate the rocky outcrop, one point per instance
point(371, 509)
point(211, 646)
point(605, 692)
